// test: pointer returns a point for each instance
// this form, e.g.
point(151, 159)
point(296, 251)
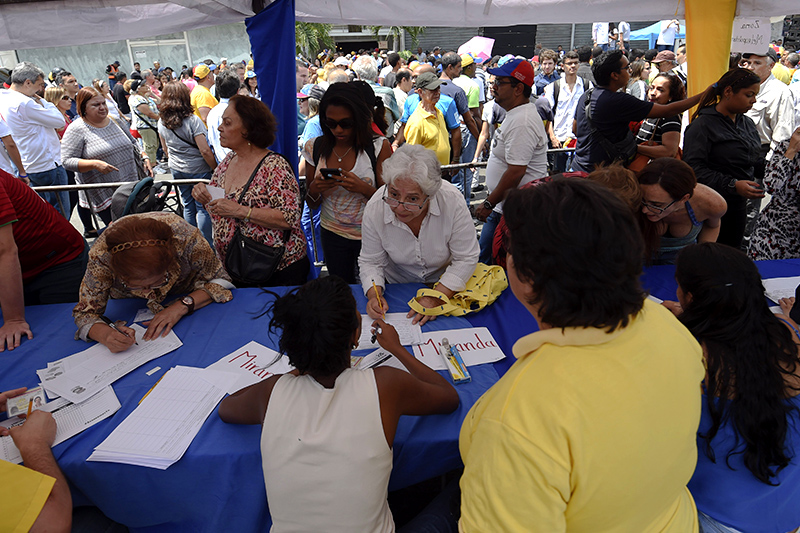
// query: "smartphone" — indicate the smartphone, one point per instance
point(330, 173)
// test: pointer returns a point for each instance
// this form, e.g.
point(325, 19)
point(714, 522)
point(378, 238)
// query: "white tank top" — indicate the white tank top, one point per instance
point(325, 458)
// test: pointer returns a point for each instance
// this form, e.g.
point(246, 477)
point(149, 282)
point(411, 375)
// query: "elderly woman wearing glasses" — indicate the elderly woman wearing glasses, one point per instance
point(155, 256)
point(677, 209)
point(416, 229)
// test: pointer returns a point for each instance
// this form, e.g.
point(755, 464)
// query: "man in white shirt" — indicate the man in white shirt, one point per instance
point(624, 36)
point(600, 35)
point(563, 96)
point(33, 122)
point(773, 114)
point(666, 37)
point(519, 148)
point(227, 84)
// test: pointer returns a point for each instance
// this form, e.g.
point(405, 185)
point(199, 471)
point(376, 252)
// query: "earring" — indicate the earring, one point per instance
point(355, 345)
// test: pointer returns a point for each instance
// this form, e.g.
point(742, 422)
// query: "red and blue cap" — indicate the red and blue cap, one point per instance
point(519, 69)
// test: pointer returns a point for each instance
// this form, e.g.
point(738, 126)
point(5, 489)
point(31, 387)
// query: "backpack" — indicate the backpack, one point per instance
point(624, 151)
point(144, 196)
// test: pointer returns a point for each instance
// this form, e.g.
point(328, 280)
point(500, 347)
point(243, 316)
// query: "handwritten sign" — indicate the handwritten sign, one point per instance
point(252, 363)
point(750, 35)
point(476, 346)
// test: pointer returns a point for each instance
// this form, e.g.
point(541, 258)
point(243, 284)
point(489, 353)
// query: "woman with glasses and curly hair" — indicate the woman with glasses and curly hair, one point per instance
point(343, 172)
point(747, 476)
point(416, 229)
point(153, 256)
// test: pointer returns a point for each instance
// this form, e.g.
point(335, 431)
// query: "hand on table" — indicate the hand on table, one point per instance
point(675, 307)
point(375, 309)
point(38, 431)
point(786, 305)
point(225, 207)
point(112, 339)
point(749, 189)
point(201, 194)
point(164, 321)
point(4, 396)
point(426, 302)
point(11, 334)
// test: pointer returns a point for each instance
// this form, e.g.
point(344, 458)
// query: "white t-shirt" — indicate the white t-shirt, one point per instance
point(625, 29)
point(34, 126)
point(668, 32)
point(600, 32)
point(519, 140)
point(5, 160)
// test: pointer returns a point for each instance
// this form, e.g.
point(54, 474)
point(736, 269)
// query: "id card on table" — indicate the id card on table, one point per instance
point(19, 405)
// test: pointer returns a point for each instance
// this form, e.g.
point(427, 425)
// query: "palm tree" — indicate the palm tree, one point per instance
point(310, 37)
point(413, 31)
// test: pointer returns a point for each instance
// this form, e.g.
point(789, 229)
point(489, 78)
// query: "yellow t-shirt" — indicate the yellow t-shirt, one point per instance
point(782, 73)
point(588, 432)
point(430, 131)
point(23, 493)
point(201, 97)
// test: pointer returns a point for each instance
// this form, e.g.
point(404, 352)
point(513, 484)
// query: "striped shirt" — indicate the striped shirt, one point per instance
point(653, 128)
point(43, 237)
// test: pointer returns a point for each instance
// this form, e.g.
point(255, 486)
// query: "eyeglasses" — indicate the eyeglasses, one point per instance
point(655, 208)
point(65, 97)
point(345, 124)
point(409, 206)
point(158, 285)
point(503, 82)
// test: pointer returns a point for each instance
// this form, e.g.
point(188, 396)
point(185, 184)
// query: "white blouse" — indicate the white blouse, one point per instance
point(446, 250)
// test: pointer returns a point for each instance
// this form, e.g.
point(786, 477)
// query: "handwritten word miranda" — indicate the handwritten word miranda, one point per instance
point(247, 364)
point(462, 347)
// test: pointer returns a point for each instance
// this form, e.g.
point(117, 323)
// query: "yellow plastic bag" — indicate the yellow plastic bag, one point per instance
point(485, 285)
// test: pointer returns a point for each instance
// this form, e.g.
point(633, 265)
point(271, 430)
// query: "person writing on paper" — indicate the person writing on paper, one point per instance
point(36, 496)
point(326, 426)
point(416, 231)
point(602, 401)
point(747, 476)
point(155, 256)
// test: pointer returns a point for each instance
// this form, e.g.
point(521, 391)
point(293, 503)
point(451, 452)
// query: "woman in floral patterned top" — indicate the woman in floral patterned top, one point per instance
point(271, 204)
point(152, 256)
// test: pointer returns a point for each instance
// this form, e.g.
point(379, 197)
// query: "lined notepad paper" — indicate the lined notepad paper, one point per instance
point(158, 432)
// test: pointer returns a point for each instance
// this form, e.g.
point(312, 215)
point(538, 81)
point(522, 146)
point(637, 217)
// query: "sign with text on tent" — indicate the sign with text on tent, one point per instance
point(750, 35)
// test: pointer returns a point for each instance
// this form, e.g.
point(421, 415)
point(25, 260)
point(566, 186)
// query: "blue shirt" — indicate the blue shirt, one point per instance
point(541, 81)
point(312, 130)
point(445, 104)
point(735, 497)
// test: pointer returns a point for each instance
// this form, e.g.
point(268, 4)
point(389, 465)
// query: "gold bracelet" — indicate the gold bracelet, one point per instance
point(247, 217)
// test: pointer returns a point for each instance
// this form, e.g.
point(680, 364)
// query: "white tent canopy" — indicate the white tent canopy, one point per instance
point(49, 23)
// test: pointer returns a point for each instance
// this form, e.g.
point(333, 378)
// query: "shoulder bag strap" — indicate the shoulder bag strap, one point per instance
point(190, 143)
point(286, 233)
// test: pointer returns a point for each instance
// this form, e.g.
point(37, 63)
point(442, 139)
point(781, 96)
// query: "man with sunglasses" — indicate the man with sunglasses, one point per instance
point(519, 148)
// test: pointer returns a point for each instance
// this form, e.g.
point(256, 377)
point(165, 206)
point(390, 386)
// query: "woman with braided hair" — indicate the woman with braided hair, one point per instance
point(156, 256)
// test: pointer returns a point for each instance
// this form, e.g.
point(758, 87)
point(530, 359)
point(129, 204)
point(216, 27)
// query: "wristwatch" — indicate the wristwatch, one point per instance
point(488, 205)
point(188, 301)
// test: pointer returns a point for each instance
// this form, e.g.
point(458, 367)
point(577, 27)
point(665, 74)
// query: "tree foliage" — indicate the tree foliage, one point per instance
point(311, 37)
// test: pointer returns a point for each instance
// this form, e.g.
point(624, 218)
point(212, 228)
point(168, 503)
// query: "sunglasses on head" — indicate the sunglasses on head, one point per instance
point(345, 124)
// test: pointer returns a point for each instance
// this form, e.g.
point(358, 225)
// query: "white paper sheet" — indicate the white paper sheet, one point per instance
point(215, 192)
point(99, 367)
point(476, 346)
point(143, 315)
point(777, 288)
point(252, 362)
point(158, 432)
point(410, 334)
point(70, 419)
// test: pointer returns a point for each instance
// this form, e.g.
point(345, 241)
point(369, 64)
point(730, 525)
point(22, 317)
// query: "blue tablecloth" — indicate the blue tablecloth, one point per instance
point(218, 484)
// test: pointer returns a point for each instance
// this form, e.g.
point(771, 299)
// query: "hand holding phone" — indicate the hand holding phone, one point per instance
point(330, 173)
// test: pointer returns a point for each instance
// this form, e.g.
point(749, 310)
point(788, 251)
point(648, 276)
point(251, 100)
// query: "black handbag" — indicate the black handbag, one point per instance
point(249, 262)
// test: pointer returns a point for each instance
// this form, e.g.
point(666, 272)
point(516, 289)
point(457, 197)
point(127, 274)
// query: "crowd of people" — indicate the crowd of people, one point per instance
point(593, 170)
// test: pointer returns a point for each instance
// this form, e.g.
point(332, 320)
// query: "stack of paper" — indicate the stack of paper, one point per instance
point(410, 334)
point(71, 419)
point(86, 373)
point(158, 432)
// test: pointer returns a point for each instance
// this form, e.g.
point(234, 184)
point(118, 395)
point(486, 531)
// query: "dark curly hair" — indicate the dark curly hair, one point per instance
point(749, 354)
point(328, 306)
point(579, 247)
point(176, 104)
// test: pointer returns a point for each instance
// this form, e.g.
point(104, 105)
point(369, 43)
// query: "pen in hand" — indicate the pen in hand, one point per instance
point(113, 326)
point(380, 303)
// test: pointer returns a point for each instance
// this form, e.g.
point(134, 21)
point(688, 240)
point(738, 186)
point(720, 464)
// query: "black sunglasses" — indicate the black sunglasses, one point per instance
point(345, 124)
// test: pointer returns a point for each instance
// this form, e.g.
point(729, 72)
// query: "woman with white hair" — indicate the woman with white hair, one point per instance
point(416, 229)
